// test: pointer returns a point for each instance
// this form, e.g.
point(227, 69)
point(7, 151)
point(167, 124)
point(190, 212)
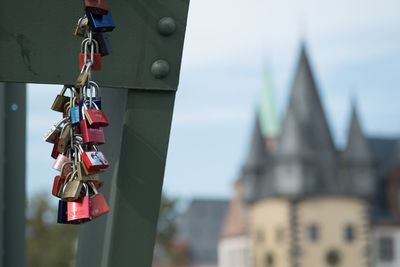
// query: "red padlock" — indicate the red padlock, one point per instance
point(91, 135)
point(59, 180)
point(90, 51)
point(54, 152)
point(94, 160)
point(79, 210)
point(98, 204)
point(94, 116)
point(98, 7)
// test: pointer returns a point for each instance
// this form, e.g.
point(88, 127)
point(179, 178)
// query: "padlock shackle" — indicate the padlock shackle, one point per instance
point(93, 186)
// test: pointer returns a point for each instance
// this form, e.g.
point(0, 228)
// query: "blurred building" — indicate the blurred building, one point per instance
point(310, 203)
point(301, 201)
point(199, 227)
point(235, 244)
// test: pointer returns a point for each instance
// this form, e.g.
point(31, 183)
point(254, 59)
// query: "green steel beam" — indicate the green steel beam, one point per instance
point(125, 237)
point(92, 235)
point(135, 196)
point(37, 45)
point(12, 174)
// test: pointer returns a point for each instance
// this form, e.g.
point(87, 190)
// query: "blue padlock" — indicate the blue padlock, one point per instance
point(74, 112)
point(75, 115)
point(100, 23)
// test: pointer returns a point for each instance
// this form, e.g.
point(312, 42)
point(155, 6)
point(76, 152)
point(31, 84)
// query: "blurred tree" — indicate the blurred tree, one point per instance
point(48, 243)
point(166, 228)
point(165, 253)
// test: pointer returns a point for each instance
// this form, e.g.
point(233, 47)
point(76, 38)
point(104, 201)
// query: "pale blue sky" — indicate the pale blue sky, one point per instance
point(354, 47)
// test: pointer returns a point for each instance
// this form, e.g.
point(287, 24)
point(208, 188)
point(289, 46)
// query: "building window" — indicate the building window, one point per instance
point(313, 233)
point(269, 260)
point(386, 249)
point(349, 233)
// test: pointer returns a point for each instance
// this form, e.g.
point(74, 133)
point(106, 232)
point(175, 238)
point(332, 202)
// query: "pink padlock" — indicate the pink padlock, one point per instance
point(79, 210)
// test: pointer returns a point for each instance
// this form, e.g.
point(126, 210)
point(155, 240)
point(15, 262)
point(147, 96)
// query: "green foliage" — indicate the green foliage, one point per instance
point(166, 232)
point(48, 243)
point(166, 228)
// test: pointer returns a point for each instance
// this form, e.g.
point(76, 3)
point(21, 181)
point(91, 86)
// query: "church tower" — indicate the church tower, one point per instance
point(308, 202)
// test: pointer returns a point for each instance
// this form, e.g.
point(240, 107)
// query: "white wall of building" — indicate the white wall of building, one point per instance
point(234, 252)
point(385, 232)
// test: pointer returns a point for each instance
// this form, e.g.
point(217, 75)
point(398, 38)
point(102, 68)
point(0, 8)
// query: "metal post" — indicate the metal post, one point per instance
point(91, 235)
point(136, 191)
point(12, 174)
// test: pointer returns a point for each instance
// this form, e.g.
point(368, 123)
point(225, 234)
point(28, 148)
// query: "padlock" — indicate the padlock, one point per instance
point(100, 23)
point(74, 112)
point(90, 52)
point(62, 212)
point(61, 100)
point(65, 138)
point(79, 209)
point(72, 188)
point(91, 135)
point(51, 135)
point(83, 75)
point(98, 7)
point(59, 180)
point(94, 116)
point(90, 93)
point(66, 109)
point(62, 216)
point(82, 27)
point(98, 204)
point(94, 160)
point(61, 159)
point(103, 40)
point(54, 151)
point(83, 174)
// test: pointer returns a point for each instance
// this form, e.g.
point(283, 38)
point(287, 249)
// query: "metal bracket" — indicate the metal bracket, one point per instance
point(147, 42)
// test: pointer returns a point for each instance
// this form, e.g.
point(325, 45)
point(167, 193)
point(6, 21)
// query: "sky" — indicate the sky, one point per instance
point(354, 49)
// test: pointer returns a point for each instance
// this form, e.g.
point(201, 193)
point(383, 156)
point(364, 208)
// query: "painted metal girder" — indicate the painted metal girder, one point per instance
point(37, 44)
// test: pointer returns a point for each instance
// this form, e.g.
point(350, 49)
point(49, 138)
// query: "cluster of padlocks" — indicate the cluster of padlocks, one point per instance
point(77, 136)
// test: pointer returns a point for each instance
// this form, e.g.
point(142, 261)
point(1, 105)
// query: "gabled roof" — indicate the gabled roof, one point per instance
point(257, 152)
point(236, 217)
point(358, 148)
point(305, 129)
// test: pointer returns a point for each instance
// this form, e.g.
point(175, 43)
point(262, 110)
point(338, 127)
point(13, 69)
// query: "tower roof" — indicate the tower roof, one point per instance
point(268, 117)
point(305, 129)
point(257, 152)
point(358, 147)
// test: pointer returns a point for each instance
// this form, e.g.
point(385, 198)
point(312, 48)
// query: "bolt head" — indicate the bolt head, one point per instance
point(160, 68)
point(166, 26)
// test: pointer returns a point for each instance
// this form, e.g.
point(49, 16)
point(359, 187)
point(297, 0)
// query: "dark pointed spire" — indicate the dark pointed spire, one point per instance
point(305, 129)
point(257, 152)
point(358, 148)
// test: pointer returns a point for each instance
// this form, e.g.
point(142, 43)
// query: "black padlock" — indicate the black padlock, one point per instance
point(103, 39)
